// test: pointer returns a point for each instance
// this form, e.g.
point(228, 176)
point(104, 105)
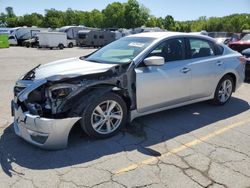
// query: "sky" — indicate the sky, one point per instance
point(181, 10)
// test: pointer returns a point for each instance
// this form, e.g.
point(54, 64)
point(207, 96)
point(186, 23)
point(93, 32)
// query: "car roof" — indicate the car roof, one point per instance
point(161, 35)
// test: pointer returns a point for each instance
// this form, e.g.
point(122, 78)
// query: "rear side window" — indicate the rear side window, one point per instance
point(201, 48)
point(219, 50)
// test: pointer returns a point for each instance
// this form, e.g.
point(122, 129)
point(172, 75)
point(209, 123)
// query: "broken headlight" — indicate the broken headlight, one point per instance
point(61, 91)
point(56, 94)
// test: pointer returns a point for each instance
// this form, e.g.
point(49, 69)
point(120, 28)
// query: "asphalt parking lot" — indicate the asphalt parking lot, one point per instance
point(198, 145)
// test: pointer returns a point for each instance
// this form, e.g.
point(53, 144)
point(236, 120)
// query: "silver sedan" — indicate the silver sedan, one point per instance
point(131, 77)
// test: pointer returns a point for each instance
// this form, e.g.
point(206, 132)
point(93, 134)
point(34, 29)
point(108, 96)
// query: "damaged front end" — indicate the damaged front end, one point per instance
point(44, 110)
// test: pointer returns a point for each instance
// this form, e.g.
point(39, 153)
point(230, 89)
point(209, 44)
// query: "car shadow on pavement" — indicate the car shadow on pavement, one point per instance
point(145, 132)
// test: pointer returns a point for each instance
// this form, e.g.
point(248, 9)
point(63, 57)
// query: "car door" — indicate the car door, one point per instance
point(206, 65)
point(165, 85)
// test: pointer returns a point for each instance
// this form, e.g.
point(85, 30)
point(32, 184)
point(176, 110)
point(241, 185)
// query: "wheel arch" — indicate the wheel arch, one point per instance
point(71, 104)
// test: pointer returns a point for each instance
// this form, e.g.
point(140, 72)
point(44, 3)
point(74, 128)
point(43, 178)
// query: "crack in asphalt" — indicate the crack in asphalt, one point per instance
point(157, 164)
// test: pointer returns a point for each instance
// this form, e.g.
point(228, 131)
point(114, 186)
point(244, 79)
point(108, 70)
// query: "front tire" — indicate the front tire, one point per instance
point(223, 91)
point(104, 116)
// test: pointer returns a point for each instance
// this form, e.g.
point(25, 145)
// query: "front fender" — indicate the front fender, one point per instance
point(71, 103)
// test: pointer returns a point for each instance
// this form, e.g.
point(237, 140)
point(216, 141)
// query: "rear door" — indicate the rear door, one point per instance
point(206, 65)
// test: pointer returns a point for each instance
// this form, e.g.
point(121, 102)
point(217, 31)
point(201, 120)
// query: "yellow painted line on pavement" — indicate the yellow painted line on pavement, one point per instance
point(182, 147)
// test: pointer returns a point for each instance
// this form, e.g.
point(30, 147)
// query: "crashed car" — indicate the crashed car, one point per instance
point(131, 77)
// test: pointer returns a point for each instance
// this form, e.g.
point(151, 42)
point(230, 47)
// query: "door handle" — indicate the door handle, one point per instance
point(219, 63)
point(185, 70)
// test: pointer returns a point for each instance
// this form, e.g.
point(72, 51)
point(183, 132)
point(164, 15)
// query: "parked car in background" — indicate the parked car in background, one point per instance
point(244, 32)
point(224, 37)
point(246, 53)
point(241, 45)
point(131, 77)
point(52, 40)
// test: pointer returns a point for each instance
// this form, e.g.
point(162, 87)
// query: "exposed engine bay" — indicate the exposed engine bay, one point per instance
point(56, 96)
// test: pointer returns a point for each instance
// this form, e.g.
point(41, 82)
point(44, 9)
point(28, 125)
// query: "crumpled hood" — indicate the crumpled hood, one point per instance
point(70, 68)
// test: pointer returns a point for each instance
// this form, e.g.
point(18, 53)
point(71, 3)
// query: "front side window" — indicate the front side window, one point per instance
point(201, 48)
point(170, 50)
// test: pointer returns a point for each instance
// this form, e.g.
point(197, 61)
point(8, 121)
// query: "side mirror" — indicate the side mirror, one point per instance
point(154, 61)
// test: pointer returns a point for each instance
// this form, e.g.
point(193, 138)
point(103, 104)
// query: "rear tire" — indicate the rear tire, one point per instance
point(223, 91)
point(103, 116)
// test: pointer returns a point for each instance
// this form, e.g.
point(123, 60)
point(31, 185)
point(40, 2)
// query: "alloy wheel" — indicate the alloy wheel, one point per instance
point(225, 90)
point(106, 117)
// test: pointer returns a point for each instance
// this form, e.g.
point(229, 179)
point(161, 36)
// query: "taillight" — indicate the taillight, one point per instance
point(242, 59)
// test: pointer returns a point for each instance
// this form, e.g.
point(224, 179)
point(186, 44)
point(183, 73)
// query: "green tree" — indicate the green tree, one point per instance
point(169, 23)
point(33, 19)
point(151, 22)
point(54, 18)
point(10, 12)
point(93, 18)
point(200, 24)
point(134, 14)
point(3, 19)
point(11, 18)
point(160, 23)
point(113, 15)
point(96, 19)
point(123, 15)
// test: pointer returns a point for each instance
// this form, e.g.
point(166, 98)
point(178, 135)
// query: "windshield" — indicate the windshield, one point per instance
point(121, 51)
point(246, 38)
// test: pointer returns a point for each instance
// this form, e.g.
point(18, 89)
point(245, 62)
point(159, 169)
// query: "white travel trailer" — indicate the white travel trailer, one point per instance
point(52, 40)
point(72, 34)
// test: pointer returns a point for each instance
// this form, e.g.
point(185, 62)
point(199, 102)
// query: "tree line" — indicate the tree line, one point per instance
point(131, 14)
